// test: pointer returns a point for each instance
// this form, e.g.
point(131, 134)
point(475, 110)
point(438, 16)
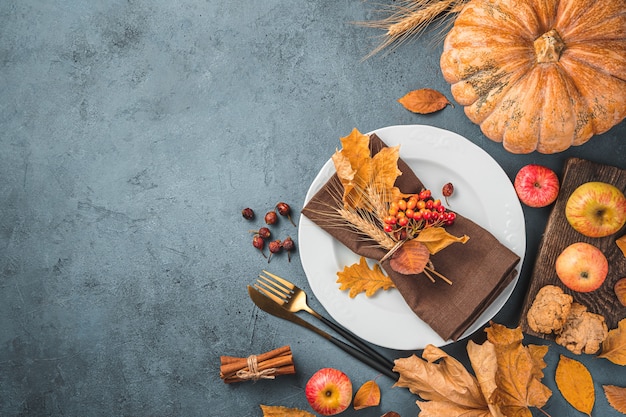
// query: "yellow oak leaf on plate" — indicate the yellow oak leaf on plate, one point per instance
point(280, 411)
point(424, 101)
point(444, 384)
point(576, 384)
point(368, 395)
point(616, 396)
point(360, 278)
point(614, 346)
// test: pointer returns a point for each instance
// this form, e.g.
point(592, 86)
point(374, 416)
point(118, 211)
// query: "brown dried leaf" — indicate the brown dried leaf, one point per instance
point(411, 258)
point(519, 374)
point(367, 396)
point(614, 346)
point(390, 414)
point(280, 411)
point(436, 239)
point(621, 243)
point(485, 364)
point(616, 396)
point(360, 278)
point(424, 101)
point(576, 384)
point(443, 382)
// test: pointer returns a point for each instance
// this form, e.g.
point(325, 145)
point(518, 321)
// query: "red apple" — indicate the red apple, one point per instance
point(536, 185)
point(329, 391)
point(582, 267)
point(596, 209)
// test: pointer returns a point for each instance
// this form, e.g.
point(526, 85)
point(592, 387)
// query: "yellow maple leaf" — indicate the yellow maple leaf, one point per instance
point(576, 384)
point(280, 411)
point(436, 239)
point(519, 374)
point(368, 395)
point(363, 177)
point(614, 346)
point(360, 278)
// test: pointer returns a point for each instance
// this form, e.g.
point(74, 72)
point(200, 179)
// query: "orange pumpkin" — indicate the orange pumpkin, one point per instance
point(539, 74)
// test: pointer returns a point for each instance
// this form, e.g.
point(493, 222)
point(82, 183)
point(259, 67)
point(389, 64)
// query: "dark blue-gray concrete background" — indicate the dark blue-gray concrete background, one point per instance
point(132, 134)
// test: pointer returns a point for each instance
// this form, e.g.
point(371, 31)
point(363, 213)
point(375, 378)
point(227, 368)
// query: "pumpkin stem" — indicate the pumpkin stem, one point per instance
point(548, 47)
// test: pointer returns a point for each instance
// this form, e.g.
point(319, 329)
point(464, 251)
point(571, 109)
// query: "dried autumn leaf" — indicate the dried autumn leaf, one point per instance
point(368, 395)
point(436, 239)
point(280, 411)
point(485, 365)
point(411, 258)
point(616, 396)
point(443, 382)
point(621, 243)
point(424, 101)
point(519, 373)
point(360, 278)
point(614, 346)
point(363, 175)
point(576, 384)
point(390, 414)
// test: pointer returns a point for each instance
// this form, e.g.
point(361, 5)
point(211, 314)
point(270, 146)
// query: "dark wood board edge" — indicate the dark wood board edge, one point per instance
point(559, 234)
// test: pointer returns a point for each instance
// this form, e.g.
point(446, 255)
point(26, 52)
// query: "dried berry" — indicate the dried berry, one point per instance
point(288, 245)
point(247, 213)
point(447, 191)
point(259, 243)
point(271, 217)
point(275, 246)
point(284, 210)
point(264, 232)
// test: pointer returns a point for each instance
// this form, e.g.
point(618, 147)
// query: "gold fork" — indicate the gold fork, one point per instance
point(293, 298)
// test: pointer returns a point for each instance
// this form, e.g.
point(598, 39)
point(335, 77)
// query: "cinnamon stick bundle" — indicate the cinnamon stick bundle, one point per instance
point(267, 365)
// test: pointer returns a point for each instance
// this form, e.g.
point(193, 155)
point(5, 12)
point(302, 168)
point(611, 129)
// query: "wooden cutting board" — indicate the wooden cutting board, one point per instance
point(559, 234)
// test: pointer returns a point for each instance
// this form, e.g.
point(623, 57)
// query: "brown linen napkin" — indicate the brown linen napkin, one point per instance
point(480, 269)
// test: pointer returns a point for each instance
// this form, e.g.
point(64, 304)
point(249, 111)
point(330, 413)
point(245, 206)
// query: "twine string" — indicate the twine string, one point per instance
point(253, 372)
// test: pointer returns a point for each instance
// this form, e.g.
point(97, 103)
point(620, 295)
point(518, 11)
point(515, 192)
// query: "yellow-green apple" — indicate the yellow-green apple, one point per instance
point(582, 267)
point(536, 185)
point(596, 209)
point(329, 391)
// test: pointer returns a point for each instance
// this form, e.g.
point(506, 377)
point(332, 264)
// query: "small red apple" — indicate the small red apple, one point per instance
point(329, 391)
point(536, 185)
point(596, 209)
point(582, 267)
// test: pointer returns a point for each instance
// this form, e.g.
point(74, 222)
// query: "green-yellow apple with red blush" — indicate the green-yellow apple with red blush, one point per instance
point(582, 267)
point(329, 391)
point(596, 209)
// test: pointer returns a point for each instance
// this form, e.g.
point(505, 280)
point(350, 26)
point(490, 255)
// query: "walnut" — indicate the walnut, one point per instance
point(549, 310)
point(583, 332)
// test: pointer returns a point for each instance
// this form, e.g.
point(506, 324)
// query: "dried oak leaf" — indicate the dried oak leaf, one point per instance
point(576, 384)
point(280, 411)
point(614, 346)
point(519, 374)
point(411, 258)
point(616, 396)
point(444, 384)
point(368, 395)
point(436, 239)
point(362, 175)
point(424, 101)
point(621, 243)
point(360, 278)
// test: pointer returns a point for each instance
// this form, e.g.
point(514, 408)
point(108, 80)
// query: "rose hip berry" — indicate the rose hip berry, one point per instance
point(284, 210)
point(271, 217)
point(247, 213)
point(275, 246)
point(447, 191)
point(259, 243)
point(288, 245)
point(264, 232)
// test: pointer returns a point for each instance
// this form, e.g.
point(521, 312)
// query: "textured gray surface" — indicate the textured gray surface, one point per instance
point(132, 133)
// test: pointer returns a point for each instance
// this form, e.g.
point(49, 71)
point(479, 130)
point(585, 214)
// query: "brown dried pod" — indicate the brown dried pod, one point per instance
point(620, 290)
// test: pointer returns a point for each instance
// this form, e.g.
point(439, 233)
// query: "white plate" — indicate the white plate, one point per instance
point(482, 193)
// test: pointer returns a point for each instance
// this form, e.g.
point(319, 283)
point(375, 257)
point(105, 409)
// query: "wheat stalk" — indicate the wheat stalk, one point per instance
point(367, 227)
point(411, 18)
